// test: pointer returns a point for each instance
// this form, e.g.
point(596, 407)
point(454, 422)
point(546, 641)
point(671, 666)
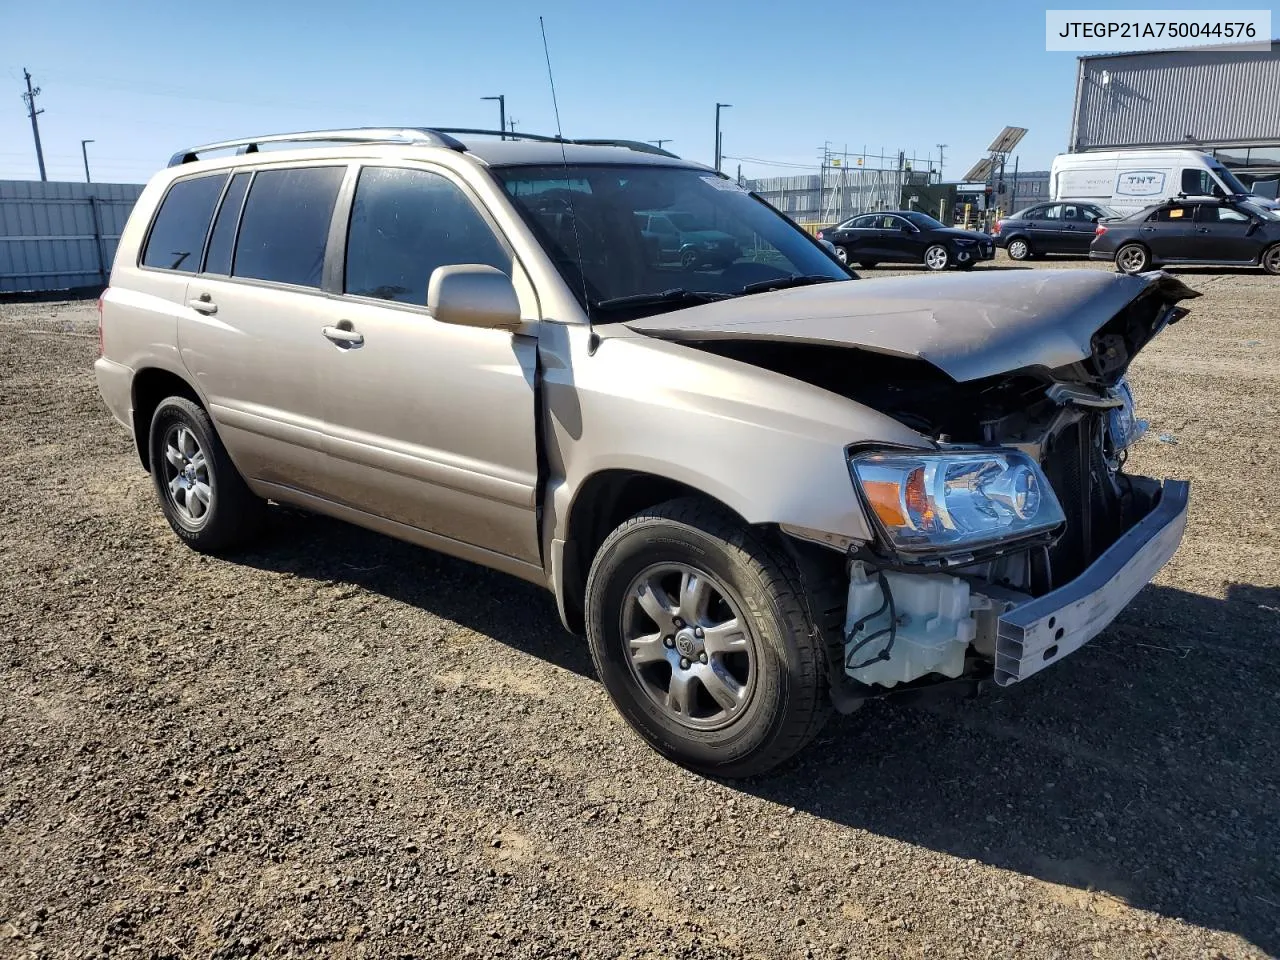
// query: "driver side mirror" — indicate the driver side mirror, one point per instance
point(473, 295)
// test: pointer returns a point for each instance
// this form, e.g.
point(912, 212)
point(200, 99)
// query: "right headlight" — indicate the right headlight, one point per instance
point(943, 502)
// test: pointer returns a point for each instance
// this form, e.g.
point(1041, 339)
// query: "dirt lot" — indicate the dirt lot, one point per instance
point(338, 745)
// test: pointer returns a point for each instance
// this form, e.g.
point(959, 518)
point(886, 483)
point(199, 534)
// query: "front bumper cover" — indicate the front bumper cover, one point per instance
point(1043, 631)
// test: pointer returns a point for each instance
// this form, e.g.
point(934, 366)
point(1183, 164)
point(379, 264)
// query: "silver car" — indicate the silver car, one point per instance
point(761, 487)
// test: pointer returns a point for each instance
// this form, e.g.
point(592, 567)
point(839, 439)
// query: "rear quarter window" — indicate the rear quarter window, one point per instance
point(177, 234)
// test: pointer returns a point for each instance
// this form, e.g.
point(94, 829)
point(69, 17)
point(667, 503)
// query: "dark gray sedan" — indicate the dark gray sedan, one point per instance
point(1050, 228)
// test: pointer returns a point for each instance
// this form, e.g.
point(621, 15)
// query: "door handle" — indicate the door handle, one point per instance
point(1202, 229)
point(203, 304)
point(343, 336)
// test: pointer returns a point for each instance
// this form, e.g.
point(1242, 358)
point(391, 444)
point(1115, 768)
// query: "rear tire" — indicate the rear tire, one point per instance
point(1133, 258)
point(1271, 259)
point(1019, 249)
point(707, 579)
point(202, 495)
point(842, 254)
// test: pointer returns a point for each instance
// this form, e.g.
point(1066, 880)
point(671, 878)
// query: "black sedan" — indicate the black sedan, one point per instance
point(906, 236)
point(1220, 232)
point(1050, 228)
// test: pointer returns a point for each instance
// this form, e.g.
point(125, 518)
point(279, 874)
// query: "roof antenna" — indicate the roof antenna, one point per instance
point(577, 241)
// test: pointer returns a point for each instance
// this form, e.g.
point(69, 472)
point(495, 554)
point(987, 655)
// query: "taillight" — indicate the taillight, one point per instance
point(995, 229)
point(822, 234)
point(1099, 230)
point(101, 349)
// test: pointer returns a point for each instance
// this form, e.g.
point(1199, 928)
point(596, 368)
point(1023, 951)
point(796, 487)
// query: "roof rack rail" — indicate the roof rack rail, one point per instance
point(637, 145)
point(432, 136)
point(421, 135)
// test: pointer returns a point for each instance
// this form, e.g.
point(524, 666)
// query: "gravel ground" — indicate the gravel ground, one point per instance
point(339, 745)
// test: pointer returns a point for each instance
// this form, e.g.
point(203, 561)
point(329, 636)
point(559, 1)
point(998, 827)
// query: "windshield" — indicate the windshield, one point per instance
point(1258, 210)
point(655, 238)
point(1227, 177)
point(924, 221)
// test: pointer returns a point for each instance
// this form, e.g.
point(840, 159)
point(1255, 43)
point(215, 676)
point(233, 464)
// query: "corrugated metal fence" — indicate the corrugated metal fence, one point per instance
point(56, 236)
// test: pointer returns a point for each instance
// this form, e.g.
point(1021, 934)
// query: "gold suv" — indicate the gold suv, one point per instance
point(762, 487)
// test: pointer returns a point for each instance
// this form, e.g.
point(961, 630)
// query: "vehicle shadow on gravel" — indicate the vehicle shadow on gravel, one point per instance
point(1144, 767)
point(511, 611)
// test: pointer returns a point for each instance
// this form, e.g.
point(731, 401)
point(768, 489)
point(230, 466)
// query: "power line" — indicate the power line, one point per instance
point(30, 99)
point(770, 163)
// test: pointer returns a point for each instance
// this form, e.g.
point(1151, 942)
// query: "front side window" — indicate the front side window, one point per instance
point(1200, 183)
point(585, 217)
point(177, 235)
point(1215, 214)
point(286, 225)
point(404, 224)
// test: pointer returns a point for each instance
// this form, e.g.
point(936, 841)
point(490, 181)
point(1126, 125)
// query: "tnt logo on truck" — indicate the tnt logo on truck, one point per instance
point(1140, 183)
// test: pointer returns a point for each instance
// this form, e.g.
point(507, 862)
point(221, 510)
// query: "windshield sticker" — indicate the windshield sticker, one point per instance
point(722, 184)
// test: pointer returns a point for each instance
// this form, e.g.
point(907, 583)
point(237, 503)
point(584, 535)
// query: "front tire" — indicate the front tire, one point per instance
point(1133, 258)
point(699, 632)
point(1018, 249)
point(1271, 259)
point(937, 257)
point(202, 495)
point(868, 264)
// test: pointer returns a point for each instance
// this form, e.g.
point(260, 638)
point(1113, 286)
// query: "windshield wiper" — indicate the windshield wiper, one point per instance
point(675, 295)
point(781, 283)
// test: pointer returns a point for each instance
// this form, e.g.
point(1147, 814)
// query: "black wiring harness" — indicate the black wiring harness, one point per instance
point(892, 630)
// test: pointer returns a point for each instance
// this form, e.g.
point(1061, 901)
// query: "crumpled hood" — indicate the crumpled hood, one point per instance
point(969, 326)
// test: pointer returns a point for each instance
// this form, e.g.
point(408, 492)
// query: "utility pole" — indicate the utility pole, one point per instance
point(502, 113)
point(32, 112)
point(941, 147)
point(84, 152)
point(719, 107)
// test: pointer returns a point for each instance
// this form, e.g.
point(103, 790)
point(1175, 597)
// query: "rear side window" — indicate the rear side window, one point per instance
point(405, 224)
point(1179, 213)
point(182, 223)
point(286, 224)
point(218, 259)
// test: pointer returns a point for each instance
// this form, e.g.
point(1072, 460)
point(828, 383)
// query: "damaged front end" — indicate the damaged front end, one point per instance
point(935, 605)
point(1017, 536)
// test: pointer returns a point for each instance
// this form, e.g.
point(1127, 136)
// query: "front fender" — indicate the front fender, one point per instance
point(769, 447)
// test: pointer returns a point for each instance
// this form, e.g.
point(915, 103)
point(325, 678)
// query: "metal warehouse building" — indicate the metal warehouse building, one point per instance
point(1223, 101)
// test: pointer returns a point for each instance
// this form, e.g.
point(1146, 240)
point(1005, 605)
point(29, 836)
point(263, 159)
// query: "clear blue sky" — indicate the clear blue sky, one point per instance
point(145, 78)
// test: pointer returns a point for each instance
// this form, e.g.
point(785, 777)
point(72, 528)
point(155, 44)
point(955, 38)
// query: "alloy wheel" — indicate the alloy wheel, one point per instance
point(1132, 259)
point(1018, 249)
point(935, 258)
point(688, 645)
point(186, 474)
point(1271, 260)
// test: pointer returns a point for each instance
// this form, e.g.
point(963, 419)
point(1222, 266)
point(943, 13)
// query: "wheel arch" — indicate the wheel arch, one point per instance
point(151, 385)
point(601, 503)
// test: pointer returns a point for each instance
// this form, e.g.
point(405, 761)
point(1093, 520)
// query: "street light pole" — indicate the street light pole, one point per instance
point(719, 107)
point(502, 112)
point(84, 152)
